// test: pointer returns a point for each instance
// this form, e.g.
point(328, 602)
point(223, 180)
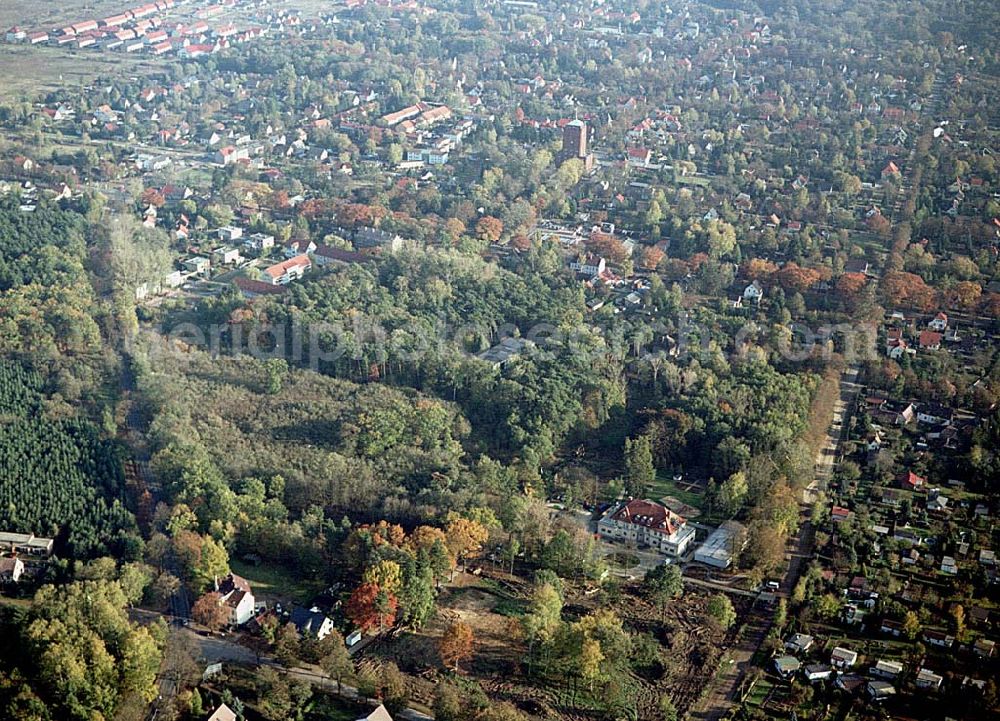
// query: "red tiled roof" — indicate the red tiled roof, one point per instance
point(929, 339)
point(651, 515)
point(257, 287)
point(347, 256)
point(279, 269)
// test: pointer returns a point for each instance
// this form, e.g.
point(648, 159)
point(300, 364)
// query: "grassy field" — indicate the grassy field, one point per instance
point(272, 582)
point(32, 71)
point(664, 485)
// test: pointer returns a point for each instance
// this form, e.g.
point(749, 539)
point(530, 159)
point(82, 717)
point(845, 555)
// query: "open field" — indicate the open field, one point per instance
point(30, 72)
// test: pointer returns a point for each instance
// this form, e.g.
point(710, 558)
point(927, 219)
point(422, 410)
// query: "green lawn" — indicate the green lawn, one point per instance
point(694, 180)
point(759, 693)
point(273, 582)
point(665, 486)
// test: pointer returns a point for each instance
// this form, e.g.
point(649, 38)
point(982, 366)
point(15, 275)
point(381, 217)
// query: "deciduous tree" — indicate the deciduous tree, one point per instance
point(720, 609)
point(489, 229)
point(210, 612)
point(370, 607)
point(456, 644)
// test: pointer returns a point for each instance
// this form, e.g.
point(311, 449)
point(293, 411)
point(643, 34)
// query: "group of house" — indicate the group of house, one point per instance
point(144, 29)
point(651, 525)
point(879, 682)
point(929, 338)
point(299, 256)
point(235, 594)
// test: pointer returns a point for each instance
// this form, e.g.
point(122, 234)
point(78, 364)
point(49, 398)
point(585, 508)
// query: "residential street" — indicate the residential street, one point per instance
point(718, 701)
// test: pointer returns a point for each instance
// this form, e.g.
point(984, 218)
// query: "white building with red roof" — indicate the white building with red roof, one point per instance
point(939, 322)
point(287, 271)
point(647, 523)
point(235, 594)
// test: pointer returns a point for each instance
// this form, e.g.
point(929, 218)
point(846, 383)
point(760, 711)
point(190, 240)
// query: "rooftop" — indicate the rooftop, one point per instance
point(651, 515)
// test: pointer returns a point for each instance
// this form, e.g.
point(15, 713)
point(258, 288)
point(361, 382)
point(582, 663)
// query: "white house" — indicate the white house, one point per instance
point(11, 569)
point(230, 154)
point(928, 679)
point(288, 270)
point(226, 255)
point(939, 322)
point(938, 638)
point(313, 622)
point(879, 691)
point(886, 669)
point(817, 672)
point(377, 239)
point(753, 292)
point(26, 543)
point(650, 524)
point(799, 643)
point(259, 242)
point(722, 545)
point(896, 349)
point(588, 264)
point(229, 233)
point(639, 157)
point(234, 592)
point(935, 414)
point(842, 657)
point(298, 246)
point(197, 265)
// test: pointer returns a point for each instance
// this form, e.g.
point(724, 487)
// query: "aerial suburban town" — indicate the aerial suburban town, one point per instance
point(499, 360)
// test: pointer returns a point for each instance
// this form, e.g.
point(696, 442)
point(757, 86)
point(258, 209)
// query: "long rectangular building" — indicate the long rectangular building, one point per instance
point(722, 545)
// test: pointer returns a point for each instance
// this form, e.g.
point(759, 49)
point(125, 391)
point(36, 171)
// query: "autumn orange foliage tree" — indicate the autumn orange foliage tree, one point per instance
point(456, 644)
point(370, 607)
point(850, 284)
point(964, 294)
point(899, 288)
point(489, 229)
point(758, 269)
point(607, 245)
point(796, 279)
point(651, 258)
point(210, 612)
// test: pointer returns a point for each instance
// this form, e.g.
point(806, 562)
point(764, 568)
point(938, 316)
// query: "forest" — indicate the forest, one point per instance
point(58, 476)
